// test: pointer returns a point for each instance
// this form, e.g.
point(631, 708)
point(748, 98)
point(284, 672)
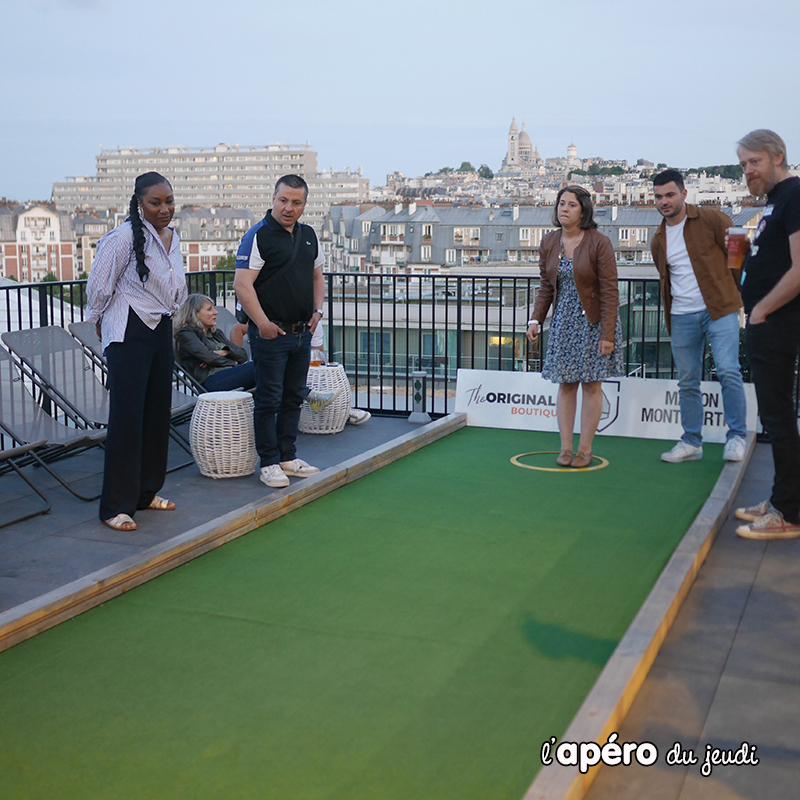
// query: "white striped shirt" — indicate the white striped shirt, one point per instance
point(114, 285)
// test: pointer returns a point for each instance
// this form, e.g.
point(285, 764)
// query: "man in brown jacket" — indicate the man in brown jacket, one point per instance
point(701, 303)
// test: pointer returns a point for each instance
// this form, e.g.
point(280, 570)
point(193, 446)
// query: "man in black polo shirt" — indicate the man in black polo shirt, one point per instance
point(280, 284)
point(771, 294)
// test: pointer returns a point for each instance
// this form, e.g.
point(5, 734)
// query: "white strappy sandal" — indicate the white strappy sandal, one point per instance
point(122, 522)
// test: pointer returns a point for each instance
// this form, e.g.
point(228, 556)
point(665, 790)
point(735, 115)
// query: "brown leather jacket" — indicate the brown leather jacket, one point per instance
point(704, 234)
point(595, 271)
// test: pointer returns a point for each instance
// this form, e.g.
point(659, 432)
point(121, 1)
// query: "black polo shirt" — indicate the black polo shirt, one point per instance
point(770, 257)
point(266, 247)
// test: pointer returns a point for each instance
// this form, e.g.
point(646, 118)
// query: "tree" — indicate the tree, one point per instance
point(49, 278)
point(466, 167)
point(446, 170)
point(662, 165)
point(226, 262)
point(577, 172)
point(485, 172)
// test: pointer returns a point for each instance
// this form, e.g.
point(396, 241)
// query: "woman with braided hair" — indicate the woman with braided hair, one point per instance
point(137, 283)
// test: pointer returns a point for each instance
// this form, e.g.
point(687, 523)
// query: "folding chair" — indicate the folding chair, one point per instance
point(26, 422)
point(86, 334)
point(56, 364)
point(9, 456)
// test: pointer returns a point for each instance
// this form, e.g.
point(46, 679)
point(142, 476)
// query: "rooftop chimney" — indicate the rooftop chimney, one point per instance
point(515, 212)
point(613, 213)
point(398, 207)
point(412, 209)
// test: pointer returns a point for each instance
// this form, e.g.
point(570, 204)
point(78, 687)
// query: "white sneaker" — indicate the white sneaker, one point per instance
point(274, 476)
point(357, 416)
point(683, 451)
point(734, 449)
point(298, 468)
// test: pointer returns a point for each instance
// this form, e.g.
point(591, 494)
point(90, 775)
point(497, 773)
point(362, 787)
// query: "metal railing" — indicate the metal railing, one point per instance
point(382, 328)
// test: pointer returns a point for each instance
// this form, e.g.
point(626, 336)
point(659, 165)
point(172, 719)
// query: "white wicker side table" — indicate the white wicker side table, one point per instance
point(221, 434)
point(332, 418)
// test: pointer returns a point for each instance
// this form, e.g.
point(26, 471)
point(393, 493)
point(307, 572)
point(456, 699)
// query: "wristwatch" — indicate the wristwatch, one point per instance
point(320, 311)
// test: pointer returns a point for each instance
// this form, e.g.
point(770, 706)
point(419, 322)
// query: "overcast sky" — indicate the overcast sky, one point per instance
point(412, 85)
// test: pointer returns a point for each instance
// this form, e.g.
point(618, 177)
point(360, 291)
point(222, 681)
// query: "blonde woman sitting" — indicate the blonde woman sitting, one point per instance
point(204, 351)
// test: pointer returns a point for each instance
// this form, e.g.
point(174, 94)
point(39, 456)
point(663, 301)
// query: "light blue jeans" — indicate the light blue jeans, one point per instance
point(689, 332)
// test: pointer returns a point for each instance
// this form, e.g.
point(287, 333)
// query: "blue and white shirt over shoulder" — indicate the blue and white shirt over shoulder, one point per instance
point(114, 285)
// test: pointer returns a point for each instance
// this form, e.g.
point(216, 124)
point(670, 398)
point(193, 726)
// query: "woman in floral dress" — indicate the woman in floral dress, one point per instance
point(578, 275)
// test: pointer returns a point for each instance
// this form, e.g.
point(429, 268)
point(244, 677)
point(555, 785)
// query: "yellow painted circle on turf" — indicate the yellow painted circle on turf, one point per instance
point(516, 462)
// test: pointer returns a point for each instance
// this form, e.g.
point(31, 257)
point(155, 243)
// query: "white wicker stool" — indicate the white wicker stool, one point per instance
point(332, 418)
point(221, 434)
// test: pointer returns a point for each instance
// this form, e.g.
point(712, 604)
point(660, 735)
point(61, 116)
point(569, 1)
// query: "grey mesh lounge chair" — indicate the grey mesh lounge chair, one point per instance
point(182, 404)
point(10, 457)
point(56, 363)
point(25, 421)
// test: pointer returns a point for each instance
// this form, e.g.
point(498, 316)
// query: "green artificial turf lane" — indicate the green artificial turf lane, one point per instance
point(416, 634)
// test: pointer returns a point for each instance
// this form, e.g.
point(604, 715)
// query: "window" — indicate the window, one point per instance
point(475, 235)
point(450, 256)
point(365, 227)
point(458, 235)
point(498, 237)
point(427, 232)
point(641, 235)
point(376, 346)
point(624, 234)
point(524, 234)
point(425, 252)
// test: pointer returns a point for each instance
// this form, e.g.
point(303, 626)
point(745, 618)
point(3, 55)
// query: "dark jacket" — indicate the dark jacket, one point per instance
point(194, 351)
point(595, 271)
point(704, 234)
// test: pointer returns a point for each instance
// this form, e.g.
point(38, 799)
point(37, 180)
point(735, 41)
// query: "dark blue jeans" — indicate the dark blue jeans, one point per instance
point(281, 369)
point(242, 376)
point(772, 352)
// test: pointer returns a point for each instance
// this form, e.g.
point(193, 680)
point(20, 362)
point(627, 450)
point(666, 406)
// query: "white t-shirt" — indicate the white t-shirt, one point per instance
point(686, 296)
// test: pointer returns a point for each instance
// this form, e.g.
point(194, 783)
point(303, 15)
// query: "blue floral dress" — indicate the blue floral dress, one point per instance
point(572, 344)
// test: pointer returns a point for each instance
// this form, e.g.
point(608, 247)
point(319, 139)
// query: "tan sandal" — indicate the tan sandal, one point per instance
point(122, 522)
point(161, 504)
point(564, 457)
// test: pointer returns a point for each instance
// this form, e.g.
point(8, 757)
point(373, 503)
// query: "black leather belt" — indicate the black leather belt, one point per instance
point(292, 327)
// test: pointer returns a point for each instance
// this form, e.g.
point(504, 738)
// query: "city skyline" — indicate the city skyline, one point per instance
point(412, 90)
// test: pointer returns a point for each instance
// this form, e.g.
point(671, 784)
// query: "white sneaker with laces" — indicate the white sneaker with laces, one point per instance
point(298, 468)
point(357, 416)
point(683, 451)
point(272, 475)
point(735, 449)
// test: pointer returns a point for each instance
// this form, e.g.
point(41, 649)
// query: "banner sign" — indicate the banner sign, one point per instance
point(642, 408)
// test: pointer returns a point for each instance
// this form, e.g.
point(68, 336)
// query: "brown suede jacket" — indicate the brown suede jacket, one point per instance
point(704, 234)
point(595, 270)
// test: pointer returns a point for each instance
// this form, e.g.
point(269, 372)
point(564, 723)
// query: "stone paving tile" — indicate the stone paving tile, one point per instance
point(15, 591)
point(703, 632)
point(60, 560)
point(767, 644)
point(760, 782)
point(671, 707)
point(760, 712)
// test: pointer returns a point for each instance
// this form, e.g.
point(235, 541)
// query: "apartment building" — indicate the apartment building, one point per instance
point(424, 239)
point(35, 242)
point(208, 234)
point(225, 175)
point(89, 229)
